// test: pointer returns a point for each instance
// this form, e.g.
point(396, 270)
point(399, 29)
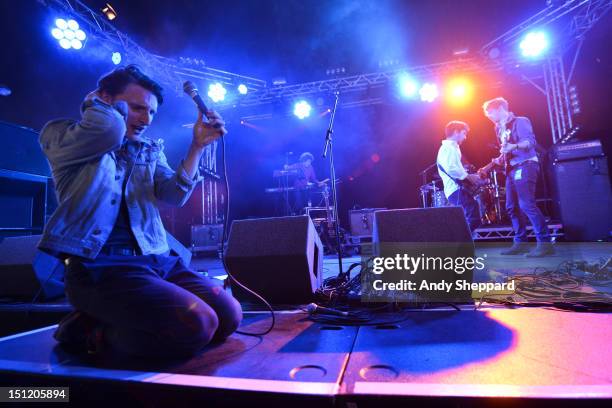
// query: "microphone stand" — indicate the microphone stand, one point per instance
point(332, 171)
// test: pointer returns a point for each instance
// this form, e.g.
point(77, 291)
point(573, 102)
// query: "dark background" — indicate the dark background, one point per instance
point(379, 150)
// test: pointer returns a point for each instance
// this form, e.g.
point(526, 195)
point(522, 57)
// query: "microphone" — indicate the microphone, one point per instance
point(313, 308)
point(191, 90)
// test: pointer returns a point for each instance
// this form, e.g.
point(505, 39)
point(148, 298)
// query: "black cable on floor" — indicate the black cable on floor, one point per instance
point(224, 237)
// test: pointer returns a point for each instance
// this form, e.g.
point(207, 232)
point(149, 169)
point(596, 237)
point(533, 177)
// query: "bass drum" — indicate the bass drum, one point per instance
point(438, 199)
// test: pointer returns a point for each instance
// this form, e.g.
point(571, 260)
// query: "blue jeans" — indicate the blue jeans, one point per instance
point(470, 207)
point(151, 305)
point(520, 202)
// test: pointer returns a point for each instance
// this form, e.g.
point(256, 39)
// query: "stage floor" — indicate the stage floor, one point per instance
point(534, 354)
point(493, 352)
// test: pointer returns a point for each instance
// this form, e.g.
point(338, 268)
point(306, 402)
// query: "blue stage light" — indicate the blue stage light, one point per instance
point(65, 44)
point(80, 35)
point(242, 89)
point(429, 92)
point(302, 109)
point(407, 86)
point(73, 25)
point(61, 24)
point(68, 34)
point(216, 92)
point(76, 44)
point(57, 33)
point(116, 58)
point(534, 44)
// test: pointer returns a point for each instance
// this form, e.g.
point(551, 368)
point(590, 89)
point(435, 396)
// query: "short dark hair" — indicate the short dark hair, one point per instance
point(116, 81)
point(455, 126)
point(495, 103)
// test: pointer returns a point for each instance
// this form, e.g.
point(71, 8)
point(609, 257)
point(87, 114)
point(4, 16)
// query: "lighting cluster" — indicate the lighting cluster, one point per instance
point(574, 101)
point(217, 92)
point(457, 90)
point(68, 34)
point(534, 44)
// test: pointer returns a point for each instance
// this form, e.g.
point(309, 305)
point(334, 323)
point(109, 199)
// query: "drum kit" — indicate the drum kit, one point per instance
point(490, 197)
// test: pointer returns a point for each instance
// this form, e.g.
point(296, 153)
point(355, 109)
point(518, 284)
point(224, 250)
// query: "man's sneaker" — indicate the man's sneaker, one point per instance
point(543, 249)
point(80, 332)
point(517, 248)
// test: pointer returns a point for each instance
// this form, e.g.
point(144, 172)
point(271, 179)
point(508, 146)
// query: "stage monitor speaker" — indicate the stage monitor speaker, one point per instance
point(279, 258)
point(582, 198)
point(24, 269)
point(427, 232)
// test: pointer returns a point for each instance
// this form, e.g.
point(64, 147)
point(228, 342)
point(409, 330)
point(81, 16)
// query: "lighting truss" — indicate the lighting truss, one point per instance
point(572, 19)
point(169, 72)
point(361, 82)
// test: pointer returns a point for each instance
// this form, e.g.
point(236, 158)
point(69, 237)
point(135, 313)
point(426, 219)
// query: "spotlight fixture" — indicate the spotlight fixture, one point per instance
point(407, 85)
point(109, 12)
point(459, 91)
point(242, 89)
point(216, 92)
point(302, 109)
point(534, 44)
point(5, 90)
point(574, 101)
point(429, 92)
point(68, 34)
point(116, 58)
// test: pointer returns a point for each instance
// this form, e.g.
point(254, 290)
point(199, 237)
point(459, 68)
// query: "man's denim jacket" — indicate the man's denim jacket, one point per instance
point(90, 160)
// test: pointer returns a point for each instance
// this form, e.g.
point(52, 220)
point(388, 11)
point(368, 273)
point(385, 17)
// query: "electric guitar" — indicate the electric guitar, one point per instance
point(504, 137)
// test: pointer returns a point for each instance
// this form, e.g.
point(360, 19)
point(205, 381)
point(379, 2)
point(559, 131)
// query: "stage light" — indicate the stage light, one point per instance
point(407, 86)
point(459, 91)
point(429, 92)
point(65, 44)
point(302, 109)
point(68, 34)
point(216, 92)
point(534, 44)
point(242, 89)
point(61, 23)
point(57, 33)
point(73, 25)
point(76, 44)
point(109, 12)
point(80, 35)
point(116, 58)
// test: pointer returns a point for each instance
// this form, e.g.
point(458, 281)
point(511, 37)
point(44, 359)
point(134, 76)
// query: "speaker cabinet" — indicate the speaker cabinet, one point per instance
point(279, 258)
point(426, 233)
point(582, 198)
point(24, 269)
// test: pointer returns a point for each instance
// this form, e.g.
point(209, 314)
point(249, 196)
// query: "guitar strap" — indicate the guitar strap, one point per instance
point(457, 181)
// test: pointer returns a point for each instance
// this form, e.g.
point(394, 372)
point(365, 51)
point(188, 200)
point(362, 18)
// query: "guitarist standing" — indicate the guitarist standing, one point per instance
point(520, 161)
point(454, 176)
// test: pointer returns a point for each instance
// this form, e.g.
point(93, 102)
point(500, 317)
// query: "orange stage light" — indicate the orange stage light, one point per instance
point(459, 91)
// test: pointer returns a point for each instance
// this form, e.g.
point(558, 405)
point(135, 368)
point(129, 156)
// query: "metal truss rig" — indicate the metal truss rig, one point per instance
point(372, 80)
point(506, 232)
point(169, 72)
point(572, 19)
